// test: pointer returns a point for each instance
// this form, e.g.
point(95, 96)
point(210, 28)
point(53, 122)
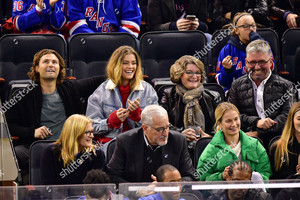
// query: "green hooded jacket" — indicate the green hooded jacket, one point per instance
point(218, 155)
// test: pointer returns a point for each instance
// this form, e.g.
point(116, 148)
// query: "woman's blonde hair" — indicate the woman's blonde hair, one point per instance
point(115, 63)
point(287, 137)
point(74, 127)
point(178, 68)
point(220, 110)
point(35, 76)
point(235, 20)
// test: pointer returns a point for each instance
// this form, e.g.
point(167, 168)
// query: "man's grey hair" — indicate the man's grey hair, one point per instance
point(152, 111)
point(260, 46)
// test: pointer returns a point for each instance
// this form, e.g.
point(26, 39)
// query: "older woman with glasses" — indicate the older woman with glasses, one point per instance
point(68, 160)
point(231, 61)
point(190, 107)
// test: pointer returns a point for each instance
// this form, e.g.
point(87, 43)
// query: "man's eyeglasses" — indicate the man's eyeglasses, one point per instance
point(261, 63)
point(89, 133)
point(247, 26)
point(160, 129)
point(191, 73)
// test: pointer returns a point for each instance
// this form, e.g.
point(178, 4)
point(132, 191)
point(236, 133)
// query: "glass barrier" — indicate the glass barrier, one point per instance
point(284, 189)
point(8, 192)
point(212, 190)
point(80, 192)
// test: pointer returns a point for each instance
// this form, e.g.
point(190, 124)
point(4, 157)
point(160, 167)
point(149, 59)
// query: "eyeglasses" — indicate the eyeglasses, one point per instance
point(191, 73)
point(247, 26)
point(161, 129)
point(261, 63)
point(89, 133)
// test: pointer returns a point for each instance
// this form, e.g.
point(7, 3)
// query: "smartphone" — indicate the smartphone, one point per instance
point(191, 17)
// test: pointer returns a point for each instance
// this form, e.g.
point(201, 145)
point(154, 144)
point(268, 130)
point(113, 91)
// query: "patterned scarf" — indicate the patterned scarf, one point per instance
point(193, 115)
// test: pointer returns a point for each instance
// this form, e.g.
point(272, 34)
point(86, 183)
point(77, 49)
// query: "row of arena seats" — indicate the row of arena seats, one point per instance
point(87, 54)
point(37, 148)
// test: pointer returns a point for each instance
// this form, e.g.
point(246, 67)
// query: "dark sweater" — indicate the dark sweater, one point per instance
point(25, 116)
point(54, 172)
point(287, 169)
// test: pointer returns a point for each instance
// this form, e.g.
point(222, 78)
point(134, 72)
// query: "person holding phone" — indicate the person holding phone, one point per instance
point(182, 15)
point(116, 105)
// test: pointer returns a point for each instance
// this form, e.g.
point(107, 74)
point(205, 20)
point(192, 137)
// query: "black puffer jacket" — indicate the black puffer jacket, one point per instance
point(172, 102)
point(279, 95)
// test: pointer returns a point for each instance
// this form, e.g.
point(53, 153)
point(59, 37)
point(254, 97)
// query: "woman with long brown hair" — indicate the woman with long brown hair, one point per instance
point(284, 152)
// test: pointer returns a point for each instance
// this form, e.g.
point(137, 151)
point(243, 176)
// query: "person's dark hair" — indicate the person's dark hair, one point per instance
point(96, 176)
point(160, 172)
point(239, 165)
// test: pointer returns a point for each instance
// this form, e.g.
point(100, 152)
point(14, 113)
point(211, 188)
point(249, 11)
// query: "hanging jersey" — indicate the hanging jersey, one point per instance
point(28, 18)
point(90, 16)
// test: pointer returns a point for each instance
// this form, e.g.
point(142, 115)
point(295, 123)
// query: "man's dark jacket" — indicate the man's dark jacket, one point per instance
point(126, 164)
point(279, 95)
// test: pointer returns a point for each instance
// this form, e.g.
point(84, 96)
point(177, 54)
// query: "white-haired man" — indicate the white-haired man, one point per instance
point(141, 151)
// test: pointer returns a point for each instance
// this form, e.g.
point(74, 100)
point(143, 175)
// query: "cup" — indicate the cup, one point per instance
point(197, 130)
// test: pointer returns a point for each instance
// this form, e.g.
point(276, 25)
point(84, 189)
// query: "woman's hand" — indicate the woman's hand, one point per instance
point(227, 62)
point(122, 114)
point(133, 105)
point(190, 134)
point(203, 134)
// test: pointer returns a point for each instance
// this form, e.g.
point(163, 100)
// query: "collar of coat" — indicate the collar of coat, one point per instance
point(249, 145)
point(110, 86)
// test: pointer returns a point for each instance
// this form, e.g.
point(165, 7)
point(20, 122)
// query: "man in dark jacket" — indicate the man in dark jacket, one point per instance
point(41, 111)
point(221, 12)
point(287, 13)
point(141, 151)
point(263, 98)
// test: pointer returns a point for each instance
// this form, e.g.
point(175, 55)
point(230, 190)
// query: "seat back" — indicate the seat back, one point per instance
point(274, 139)
point(188, 196)
point(160, 49)
point(90, 52)
point(290, 43)
point(110, 149)
point(217, 88)
point(17, 51)
point(35, 152)
point(296, 69)
point(271, 36)
point(161, 84)
point(199, 148)
point(221, 38)
point(15, 86)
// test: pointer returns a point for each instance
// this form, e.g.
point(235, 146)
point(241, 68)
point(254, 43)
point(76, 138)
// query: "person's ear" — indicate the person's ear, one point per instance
point(298, 169)
point(144, 127)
